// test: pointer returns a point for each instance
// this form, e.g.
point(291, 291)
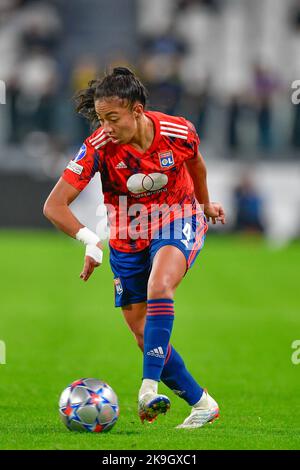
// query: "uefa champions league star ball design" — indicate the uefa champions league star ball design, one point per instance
point(89, 405)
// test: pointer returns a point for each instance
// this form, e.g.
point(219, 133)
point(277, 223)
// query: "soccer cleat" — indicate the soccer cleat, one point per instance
point(206, 411)
point(151, 405)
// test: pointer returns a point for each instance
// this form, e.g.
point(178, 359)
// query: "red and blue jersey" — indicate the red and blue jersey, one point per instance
point(144, 179)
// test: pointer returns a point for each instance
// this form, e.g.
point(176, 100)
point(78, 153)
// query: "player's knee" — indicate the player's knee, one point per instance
point(160, 288)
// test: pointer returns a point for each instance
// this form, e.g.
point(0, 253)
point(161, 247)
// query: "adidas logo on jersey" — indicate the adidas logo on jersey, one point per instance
point(121, 165)
point(157, 352)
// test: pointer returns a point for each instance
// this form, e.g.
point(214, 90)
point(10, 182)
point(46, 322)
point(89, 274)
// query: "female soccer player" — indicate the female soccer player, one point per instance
point(154, 186)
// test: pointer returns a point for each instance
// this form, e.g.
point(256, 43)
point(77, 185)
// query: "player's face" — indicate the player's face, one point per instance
point(118, 120)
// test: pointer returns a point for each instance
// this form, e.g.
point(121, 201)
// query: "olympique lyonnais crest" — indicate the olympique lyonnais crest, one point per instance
point(118, 286)
point(166, 159)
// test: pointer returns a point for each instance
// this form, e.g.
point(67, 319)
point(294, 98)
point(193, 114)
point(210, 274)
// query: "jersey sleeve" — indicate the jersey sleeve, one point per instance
point(192, 142)
point(81, 169)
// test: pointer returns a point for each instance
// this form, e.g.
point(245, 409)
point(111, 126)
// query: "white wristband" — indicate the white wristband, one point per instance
point(94, 252)
point(87, 237)
point(90, 239)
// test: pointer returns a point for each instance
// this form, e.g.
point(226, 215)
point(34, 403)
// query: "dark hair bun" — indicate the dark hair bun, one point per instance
point(122, 71)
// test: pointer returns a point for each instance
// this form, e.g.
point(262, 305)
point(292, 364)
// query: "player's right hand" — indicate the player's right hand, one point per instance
point(90, 263)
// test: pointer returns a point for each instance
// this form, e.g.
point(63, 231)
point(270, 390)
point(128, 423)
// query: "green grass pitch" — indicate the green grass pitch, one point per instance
point(236, 316)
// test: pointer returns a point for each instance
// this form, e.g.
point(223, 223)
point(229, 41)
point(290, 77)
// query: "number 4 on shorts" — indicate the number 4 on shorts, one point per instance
point(187, 231)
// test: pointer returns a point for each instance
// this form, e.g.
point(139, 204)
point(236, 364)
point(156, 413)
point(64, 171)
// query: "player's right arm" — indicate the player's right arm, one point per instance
point(57, 210)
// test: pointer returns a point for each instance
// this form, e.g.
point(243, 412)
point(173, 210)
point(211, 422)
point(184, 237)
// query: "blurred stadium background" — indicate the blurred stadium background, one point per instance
point(228, 66)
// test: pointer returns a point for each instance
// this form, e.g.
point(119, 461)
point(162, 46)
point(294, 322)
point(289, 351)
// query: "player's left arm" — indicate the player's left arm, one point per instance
point(197, 169)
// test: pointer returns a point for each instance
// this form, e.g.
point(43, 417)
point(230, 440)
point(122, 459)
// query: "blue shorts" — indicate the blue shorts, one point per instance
point(131, 270)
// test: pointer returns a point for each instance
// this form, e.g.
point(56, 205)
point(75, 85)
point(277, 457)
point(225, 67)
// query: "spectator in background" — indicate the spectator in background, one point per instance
point(38, 81)
point(10, 53)
point(160, 63)
point(248, 207)
point(265, 85)
point(234, 111)
point(295, 23)
point(296, 127)
point(195, 105)
point(29, 35)
point(84, 70)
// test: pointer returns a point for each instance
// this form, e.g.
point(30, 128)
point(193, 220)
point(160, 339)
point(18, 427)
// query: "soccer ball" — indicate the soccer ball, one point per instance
point(89, 405)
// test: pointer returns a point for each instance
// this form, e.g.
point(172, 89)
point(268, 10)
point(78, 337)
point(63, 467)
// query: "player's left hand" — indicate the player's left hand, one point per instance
point(214, 212)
